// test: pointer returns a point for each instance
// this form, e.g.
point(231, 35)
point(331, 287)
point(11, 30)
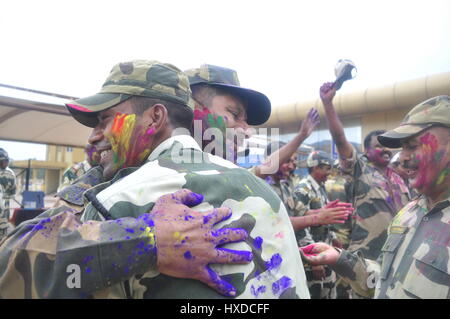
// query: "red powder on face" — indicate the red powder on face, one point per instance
point(150, 131)
point(426, 159)
point(201, 114)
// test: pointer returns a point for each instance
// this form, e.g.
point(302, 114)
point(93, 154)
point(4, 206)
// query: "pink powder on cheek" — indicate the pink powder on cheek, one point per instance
point(150, 131)
point(427, 161)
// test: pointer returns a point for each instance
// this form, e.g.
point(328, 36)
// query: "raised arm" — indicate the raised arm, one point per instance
point(327, 93)
point(274, 161)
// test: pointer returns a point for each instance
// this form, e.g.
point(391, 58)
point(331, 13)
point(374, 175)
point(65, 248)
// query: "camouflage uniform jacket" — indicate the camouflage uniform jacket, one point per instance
point(74, 172)
point(339, 187)
point(73, 194)
point(276, 270)
point(8, 181)
point(376, 199)
point(285, 192)
point(414, 259)
point(314, 196)
point(36, 258)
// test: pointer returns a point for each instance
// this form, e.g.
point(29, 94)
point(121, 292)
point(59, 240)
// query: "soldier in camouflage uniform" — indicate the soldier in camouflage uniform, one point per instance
point(37, 255)
point(378, 192)
point(414, 262)
point(173, 163)
point(338, 186)
point(3, 221)
point(77, 170)
point(312, 194)
point(8, 183)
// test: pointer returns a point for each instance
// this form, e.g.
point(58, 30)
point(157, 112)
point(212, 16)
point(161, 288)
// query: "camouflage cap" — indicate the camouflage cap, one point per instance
point(316, 158)
point(3, 155)
point(435, 111)
point(134, 78)
point(258, 105)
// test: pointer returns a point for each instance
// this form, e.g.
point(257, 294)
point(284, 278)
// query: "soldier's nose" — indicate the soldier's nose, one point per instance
point(95, 136)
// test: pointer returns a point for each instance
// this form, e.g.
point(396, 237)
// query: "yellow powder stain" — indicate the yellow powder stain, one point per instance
point(149, 234)
point(176, 235)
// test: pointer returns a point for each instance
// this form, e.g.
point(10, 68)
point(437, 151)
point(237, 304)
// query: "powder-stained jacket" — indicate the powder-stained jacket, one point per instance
point(42, 257)
point(314, 196)
point(276, 270)
point(294, 207)
point(415, 257)
point(376, 199)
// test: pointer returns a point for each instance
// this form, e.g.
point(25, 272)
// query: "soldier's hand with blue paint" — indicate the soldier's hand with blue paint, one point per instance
point(187, 242)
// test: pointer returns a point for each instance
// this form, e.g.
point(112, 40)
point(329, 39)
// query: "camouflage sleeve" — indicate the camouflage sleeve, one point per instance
point(343, 232)
point(57, 256)
point(351, 165)
point(362, 274)
point(9, 183)
point(302, 200)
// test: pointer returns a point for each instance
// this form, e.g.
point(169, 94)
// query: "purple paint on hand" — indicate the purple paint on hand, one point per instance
point(193, 199)
point(188, 255)
point(223, 286)
point(239, 255)
point(130, 230)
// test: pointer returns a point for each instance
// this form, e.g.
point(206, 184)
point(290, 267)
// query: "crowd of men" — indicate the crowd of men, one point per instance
point(156, 213)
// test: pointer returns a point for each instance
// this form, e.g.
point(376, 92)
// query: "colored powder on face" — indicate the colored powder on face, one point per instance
point(121, 131)
point(201, 114)
point(274, 263)
point(124, 131)
point(258, 242)
point(150, 131)
point(281, 285)
point(429, 145)
point(443, 175)
point(188, 255)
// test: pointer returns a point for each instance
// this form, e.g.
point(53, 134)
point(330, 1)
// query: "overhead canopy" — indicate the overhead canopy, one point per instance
point(27, 120)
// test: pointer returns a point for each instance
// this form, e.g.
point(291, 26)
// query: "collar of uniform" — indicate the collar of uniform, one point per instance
point(313, 182)
point(443, 204)
point(186, 140)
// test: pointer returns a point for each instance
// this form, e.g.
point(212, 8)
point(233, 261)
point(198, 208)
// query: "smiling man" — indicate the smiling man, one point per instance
point(134, 125)
point(415, 257)
point(220, 102)
point(378, 192)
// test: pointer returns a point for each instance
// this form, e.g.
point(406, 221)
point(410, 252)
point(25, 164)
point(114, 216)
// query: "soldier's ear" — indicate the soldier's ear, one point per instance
point(156, 117)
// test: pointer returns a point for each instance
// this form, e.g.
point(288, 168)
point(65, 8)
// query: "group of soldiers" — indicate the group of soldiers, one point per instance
point(162, 215)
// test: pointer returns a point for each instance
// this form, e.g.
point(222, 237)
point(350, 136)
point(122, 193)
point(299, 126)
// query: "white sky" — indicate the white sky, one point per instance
point(285, 49)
